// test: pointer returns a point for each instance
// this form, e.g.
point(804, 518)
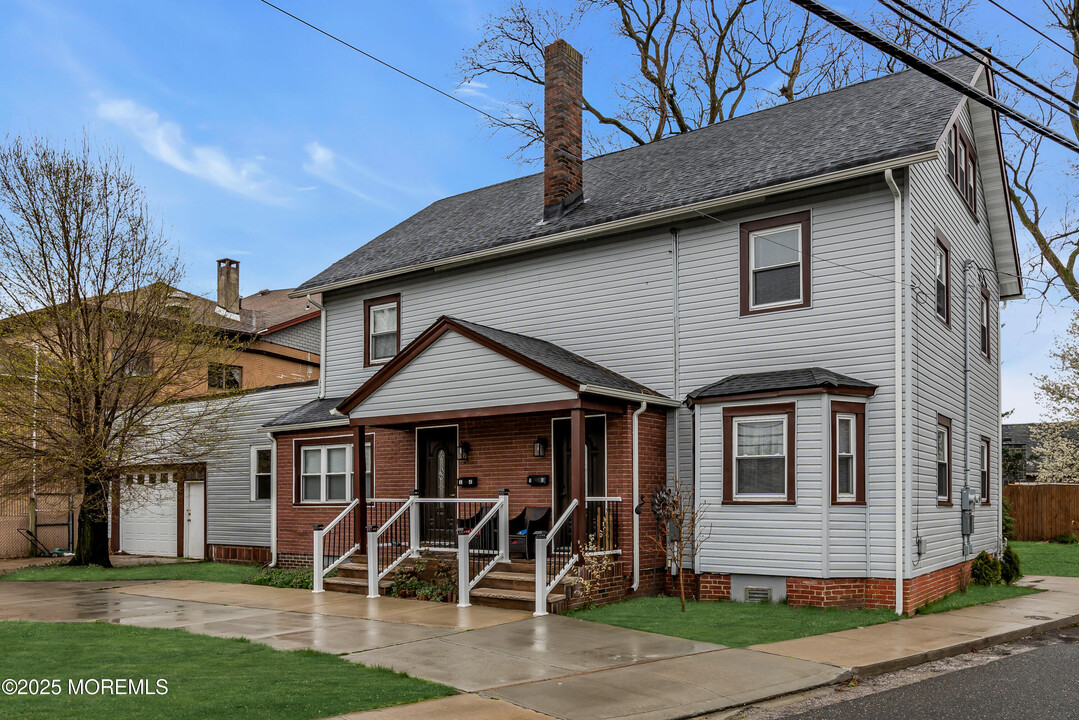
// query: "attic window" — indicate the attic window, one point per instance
point(963, 166)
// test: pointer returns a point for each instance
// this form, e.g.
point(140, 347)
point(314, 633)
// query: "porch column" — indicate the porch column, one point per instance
point(359, 487)
point(577, 479)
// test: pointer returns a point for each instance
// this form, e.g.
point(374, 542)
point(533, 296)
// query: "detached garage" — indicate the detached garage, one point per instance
point(161, 513)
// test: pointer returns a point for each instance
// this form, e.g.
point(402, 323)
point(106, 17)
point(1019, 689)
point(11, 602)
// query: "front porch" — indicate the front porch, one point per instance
point(513, 457)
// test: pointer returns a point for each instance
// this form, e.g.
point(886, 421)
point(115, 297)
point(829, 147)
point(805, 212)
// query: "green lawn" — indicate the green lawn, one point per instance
point(1038, 558)
point(730, 623)
point(215, 572)
point(206, 677)
point(975, 595)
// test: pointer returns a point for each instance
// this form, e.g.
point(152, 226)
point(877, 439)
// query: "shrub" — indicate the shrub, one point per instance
point(985, 570)
point(298, 578)
point(1066, 539)
point(1007, 520)
point(1009, 565)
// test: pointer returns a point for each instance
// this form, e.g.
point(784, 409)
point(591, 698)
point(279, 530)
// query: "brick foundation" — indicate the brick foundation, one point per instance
point(839, 592)
point(292, 560)
point(239, 554)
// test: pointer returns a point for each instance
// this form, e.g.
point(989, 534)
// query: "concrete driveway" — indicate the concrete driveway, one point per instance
point(553, 665)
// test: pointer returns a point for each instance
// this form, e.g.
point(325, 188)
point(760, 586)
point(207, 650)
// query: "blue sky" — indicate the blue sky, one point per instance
point(260, 140)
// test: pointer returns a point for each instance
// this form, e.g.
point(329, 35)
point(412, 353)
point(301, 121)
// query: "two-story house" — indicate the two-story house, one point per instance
point(792, 314)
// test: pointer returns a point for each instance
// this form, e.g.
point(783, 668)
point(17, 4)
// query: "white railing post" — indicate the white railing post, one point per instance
point(504, 525)
point(541, 573)
point(372, 562)
point(413, 524)
point(462, 568)
point(316, 561)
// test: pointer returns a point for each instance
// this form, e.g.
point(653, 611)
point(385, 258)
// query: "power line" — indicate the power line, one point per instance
point(1070, 52)
point(932, 71)
point(904, 10)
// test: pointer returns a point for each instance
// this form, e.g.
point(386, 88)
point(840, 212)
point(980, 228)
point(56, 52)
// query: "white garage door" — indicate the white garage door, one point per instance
point(148, 519)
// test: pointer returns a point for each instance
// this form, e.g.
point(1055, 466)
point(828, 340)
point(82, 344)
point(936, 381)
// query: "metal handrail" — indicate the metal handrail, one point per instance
point(319, 568)
point(542, 540)
point(465, 580)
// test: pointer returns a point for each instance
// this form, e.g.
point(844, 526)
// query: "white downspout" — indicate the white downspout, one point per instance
point(899, 494)
point(321, 347)
point(636, 492)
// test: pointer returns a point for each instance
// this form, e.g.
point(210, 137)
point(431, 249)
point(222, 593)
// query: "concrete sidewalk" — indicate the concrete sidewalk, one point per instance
point(924, 638)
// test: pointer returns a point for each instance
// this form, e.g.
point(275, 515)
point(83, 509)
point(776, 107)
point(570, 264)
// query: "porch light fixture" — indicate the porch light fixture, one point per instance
point(539, 448)
point(462, 452)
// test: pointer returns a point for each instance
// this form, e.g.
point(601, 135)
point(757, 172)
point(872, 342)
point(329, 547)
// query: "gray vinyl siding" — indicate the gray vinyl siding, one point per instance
point(763, 539)
point(849, 328)
point(937, 360)
point(607, 301)
point(301, 336)
point(455, 373)
point(232, 517)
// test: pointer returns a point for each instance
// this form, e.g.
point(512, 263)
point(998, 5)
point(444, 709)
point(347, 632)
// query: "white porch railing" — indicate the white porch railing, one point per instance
point(554, 557)
point(480, 547)
point(334, 543)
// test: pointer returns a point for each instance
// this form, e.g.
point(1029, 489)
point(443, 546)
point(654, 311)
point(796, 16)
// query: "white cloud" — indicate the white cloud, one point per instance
point(344, 174)
point(322, 163)
point(164, 140)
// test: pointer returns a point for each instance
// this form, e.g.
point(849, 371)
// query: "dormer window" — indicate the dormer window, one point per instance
point(963, 166)
point(382, 334)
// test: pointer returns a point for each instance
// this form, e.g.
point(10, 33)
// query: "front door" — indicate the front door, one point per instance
point(436, 477)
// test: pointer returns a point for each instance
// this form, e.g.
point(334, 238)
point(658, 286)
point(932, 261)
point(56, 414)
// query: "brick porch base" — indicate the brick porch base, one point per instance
point(239, 554)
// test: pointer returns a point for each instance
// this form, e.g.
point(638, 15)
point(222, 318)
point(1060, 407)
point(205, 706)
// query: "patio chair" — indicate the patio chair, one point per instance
point(524, 527)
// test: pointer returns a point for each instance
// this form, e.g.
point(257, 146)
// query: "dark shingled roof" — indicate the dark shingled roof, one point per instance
point(778, 381)
point(558, 359)
point(886, 118)
point(315, 411)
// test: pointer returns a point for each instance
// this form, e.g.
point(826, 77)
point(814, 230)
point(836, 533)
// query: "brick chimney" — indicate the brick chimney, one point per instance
point(228, 286)
point(563, 97)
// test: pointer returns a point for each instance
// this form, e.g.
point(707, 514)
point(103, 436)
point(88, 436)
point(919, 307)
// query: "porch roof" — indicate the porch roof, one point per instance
point(315, 414)
point(763, 384)
point(458, 365)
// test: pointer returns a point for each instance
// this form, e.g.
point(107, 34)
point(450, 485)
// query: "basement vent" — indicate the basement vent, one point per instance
point(758, 594)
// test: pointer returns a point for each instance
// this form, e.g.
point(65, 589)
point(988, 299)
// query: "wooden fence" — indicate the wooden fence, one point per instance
point(1043, 510)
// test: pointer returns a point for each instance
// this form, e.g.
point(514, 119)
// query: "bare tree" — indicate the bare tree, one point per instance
point(97, 347)
point(1037, 176)
point(680, 528)
point(688, 63)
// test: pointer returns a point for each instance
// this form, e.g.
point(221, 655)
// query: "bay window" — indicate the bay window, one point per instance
point(848, 453)
point(759, 454)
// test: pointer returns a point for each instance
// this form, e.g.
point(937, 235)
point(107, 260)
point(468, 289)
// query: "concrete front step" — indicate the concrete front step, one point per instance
point(351, 585)
point(513, 599)
point(514, 581)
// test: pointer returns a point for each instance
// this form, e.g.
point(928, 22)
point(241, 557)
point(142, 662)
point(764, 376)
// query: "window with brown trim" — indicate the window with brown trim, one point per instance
point(963, 166)
point(382, 329)
point(986, 314)
point(758, 454)
point(986, 448)
point(943, 273)
point(774, 263)
point(224, 377)
point(944, 460)
point(848, 453)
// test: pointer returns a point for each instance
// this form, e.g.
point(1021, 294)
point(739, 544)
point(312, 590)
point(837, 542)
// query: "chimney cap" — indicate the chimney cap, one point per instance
point(229, 261)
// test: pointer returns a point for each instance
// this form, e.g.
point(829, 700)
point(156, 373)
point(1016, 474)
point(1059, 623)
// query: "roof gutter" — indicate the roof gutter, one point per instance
point(616, 226)
point(628, 395)
point(304, 426)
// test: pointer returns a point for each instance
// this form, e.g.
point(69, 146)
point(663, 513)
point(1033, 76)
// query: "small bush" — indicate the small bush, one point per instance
point(985, 570)
point(1066, 539)
point(1009, 565)
point(298, 578)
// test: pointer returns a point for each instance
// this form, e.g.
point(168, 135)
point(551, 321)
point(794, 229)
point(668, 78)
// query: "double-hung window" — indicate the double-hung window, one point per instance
point(261, 472)
point(944, 460)
point(848, 452)
point(775, 263)
point(382, 320)
point(845, 457)
point(963, 166)
point(224, 377)
point(326, 473)
point(758, 450)
point(943, 272)
point(986, 447)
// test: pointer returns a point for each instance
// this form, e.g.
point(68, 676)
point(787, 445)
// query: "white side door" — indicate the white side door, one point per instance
point(195, 522)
